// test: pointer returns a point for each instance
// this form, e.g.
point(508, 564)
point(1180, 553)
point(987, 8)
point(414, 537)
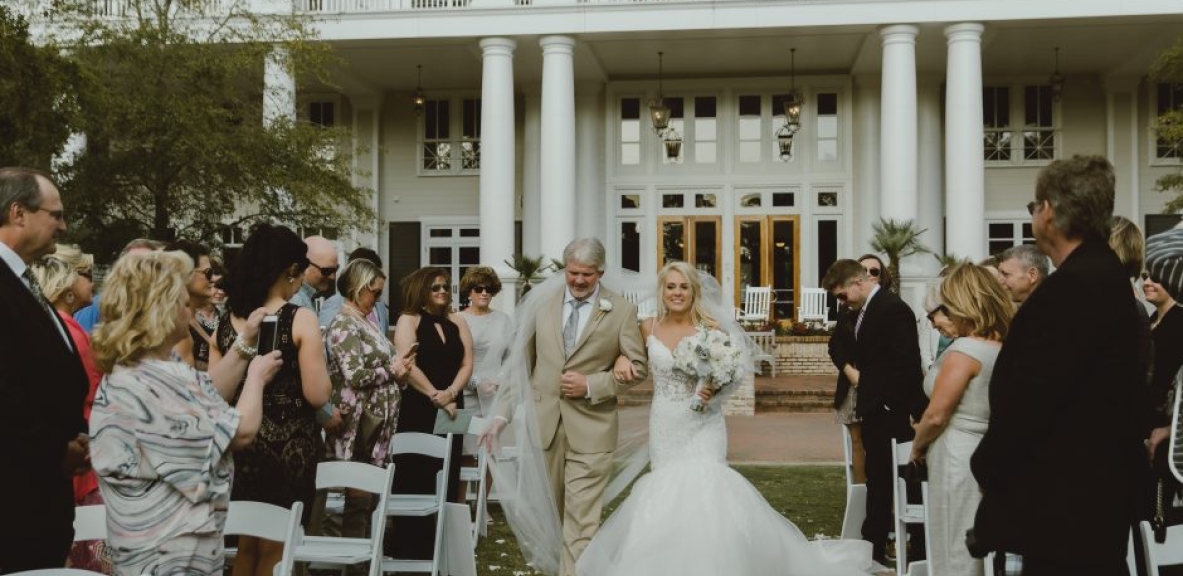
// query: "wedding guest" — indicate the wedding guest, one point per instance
point(443, 366)
point(195, 349)
point(1020, 270)
point(380, 314)
point(878, 271)
point(88, 316)
point(1166, 326)
point(978, 312)
point(280, 467)
point(166, 486)
point(1068, 387)
point(367, 381)
point(67, 282)
point(42, 383)
point(319, 274)
point(208, 315)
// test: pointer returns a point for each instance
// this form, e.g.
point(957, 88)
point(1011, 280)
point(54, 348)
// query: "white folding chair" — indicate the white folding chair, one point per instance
point(431, 446)
point(341, 551)
point(766, 341)
point(905, 513)
point(90, 523)
point(1169, 553)
point(856, 494)
point(57, 572)
point(475, 479)
point(269, 522)
point(757, 304)
point(813, 306)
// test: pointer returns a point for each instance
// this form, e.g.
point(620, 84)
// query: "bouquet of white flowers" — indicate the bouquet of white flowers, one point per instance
point(712, 358)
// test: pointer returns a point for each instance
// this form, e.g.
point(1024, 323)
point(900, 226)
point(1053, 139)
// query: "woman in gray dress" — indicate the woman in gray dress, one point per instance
point(958, 412)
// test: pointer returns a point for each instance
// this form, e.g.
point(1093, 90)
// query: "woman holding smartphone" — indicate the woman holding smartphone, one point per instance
point(280, 467)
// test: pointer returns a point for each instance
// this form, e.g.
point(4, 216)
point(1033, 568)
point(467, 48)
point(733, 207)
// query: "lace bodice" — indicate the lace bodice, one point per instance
point(676, 432)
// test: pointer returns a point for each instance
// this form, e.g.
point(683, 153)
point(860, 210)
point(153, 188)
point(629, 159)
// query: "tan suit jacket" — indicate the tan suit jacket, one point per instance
point(590, 427)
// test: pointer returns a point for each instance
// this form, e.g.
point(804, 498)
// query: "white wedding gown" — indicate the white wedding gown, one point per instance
point(695, 516)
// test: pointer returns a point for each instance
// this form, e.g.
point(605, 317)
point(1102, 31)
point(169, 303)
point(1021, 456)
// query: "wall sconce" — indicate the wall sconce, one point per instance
point(419, 100)
point(1057, 80)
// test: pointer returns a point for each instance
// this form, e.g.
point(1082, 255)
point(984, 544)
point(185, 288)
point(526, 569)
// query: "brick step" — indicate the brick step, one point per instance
point(766, 400)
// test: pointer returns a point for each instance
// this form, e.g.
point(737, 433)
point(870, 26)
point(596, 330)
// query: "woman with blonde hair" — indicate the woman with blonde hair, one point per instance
point(979, 313)
point(166, 486)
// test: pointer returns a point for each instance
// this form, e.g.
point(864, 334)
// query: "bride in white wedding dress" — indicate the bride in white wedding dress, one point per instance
point(693, 515)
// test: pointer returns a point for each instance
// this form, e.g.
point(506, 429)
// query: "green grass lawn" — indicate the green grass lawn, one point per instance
point(812, 497)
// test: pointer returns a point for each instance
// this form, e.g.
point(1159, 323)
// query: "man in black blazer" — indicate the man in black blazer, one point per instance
point(885, 368)
point(1062, 467)
point(42, 385)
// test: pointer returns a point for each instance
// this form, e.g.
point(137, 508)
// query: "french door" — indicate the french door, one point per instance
point(766, 254)
point(697, 240)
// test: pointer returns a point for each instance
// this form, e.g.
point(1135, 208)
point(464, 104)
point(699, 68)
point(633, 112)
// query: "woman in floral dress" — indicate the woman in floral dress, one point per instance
point(367, 382)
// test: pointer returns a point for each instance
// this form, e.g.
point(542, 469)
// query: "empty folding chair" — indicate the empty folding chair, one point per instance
point(905, 513)
point(57, 572)
point(341, 551)
point(1167, 553)
point(421, 505)
point(90, 523)
point(269, 522)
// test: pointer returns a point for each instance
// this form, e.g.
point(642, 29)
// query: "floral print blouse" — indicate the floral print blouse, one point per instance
point(360, 359)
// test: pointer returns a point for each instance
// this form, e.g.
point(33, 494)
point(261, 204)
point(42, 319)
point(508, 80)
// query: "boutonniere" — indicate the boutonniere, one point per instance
point(605, 305)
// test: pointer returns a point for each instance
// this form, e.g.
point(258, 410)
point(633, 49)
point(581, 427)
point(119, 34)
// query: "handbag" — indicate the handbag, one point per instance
point(367, 431)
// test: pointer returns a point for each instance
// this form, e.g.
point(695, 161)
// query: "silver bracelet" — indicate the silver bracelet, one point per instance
point(246, 352)
point(325, 412)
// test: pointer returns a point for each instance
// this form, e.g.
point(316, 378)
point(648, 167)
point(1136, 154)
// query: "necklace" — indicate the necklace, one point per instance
point(209, 323)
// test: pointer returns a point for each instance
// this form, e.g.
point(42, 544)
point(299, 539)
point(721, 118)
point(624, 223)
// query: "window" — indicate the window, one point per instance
point(706, 134)
point(451, 144)
point(1169, 97)
point(1003, 235)
point(1035, 141)
point(630, 131)
point(322, 114)
point(749, 129)
point(455, 248)
point(827, 127)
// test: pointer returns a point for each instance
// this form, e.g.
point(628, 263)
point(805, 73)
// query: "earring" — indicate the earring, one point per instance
point(69, 297)
point(291, 279)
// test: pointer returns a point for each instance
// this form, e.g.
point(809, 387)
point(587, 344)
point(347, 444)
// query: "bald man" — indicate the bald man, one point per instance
point(321, 273)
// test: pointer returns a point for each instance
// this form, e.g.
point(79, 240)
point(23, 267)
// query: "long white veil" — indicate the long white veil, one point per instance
point(518, 467)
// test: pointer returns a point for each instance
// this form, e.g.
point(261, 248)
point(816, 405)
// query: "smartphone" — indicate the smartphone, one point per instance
point(268, 334)
point(414, 348)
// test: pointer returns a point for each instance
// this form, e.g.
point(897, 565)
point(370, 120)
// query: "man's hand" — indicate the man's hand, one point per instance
point(77, 458)
point(573, 385)
point(489, 438)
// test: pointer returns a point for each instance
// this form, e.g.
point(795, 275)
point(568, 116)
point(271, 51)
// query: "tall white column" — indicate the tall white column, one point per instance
point(897, 159)
point(589, 161)
point(279, 87)
point(866, 150)
point(965, 177)
point(558, 144)
point(497, 152)
point(930, 207)
point(531, 185)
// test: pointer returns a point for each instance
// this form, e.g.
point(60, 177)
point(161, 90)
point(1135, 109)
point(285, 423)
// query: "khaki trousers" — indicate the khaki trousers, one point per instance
point(577, 482)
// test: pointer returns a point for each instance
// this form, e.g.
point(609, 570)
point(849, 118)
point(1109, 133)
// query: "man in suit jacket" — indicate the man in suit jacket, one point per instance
point(885, 368)
point(577, 338)
point(1062, 466)
point(42, 384)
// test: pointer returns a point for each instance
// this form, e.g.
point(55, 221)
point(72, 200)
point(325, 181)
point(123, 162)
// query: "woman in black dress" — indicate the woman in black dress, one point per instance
point(280, 467)
point(442, 368)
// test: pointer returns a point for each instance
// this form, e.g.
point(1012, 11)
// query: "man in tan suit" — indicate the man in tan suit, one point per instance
point(577, 338)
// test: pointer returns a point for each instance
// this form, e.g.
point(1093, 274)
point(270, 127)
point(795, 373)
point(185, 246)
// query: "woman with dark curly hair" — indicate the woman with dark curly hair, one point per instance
point(443, 366)
point(280, 467)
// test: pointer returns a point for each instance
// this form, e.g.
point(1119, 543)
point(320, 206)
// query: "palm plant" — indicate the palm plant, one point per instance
point(950, 261)
point(897, 239)
point(529, 270)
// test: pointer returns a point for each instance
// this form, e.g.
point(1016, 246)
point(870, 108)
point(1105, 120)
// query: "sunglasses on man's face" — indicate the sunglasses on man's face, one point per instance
point(325, 270)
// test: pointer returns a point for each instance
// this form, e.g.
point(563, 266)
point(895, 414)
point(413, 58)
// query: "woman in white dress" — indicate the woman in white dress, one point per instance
point(979, 312)
point(694, 515)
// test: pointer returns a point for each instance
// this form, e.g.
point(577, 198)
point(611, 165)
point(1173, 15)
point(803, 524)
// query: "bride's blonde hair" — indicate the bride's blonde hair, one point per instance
point(699, 314)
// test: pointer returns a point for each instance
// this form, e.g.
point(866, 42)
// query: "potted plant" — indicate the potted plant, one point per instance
point(897, 239)
point(529, 271)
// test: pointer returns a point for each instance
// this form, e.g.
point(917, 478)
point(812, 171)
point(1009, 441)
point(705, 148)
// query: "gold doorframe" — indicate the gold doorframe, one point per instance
point(768, 260)
point(688, 230)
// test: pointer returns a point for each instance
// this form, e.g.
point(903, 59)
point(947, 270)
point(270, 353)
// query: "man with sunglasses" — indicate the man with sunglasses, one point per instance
point(42, 384)
point(320, 275)
point(885, 369)
point(332, 305)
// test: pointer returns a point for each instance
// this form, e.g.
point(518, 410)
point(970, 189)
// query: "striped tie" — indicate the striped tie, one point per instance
point(859, 322)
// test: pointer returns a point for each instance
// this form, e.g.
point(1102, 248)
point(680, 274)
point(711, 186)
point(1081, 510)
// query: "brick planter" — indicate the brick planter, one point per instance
point(804, 356)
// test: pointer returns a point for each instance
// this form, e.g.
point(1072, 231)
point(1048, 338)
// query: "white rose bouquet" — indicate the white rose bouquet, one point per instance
point(710, 357)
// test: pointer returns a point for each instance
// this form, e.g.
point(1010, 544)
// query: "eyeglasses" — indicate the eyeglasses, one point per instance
point(1146, 276)
point(440, 287)
point(874, 272)
point(207, 272)
point(58, 215)
point(942, 309)
point(1032, 205)
point(89, 274)
point(485, 290)
point(325, 270)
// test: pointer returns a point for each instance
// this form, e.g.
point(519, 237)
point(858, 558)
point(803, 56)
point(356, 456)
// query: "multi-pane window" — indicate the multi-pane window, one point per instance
point(1003, 235)
point(1169, 97)
point(321, 114)
point(827, 127)
point(1035, 141)
point(451, 143)
point(706, 133)
point(749, 129)
point(630, 131)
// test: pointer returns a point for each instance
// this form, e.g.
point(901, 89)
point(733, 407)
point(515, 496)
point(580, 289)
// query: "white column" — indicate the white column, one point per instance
point(930, 208)
point(589, 161)
point(897, 159)
point(531, 185)
point(497, 152)
point(279, 88)
point(866, 150)
point(965, 177)
point(1121, 140)
point(558, 144)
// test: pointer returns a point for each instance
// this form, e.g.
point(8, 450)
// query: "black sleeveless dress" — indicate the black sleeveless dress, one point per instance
point(279, 467)
point(439, 359)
